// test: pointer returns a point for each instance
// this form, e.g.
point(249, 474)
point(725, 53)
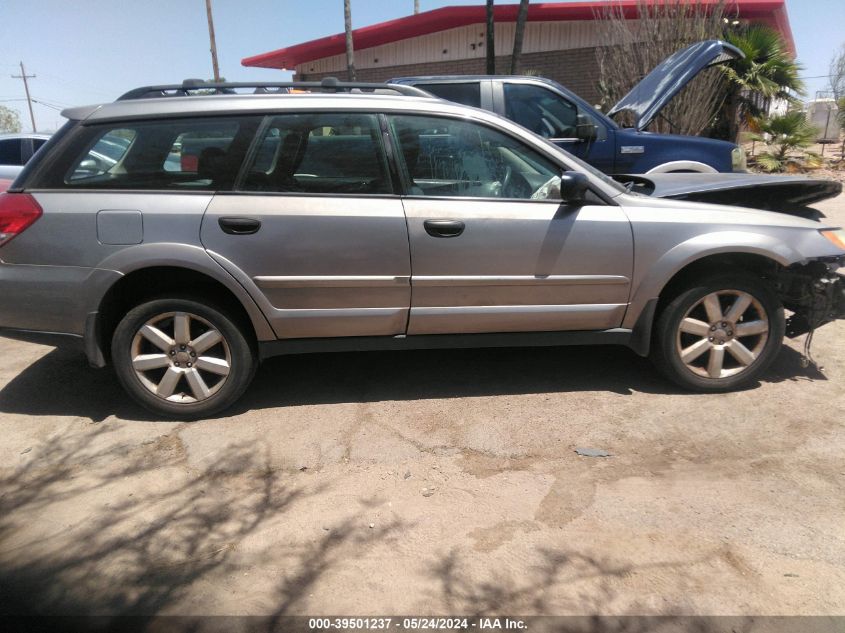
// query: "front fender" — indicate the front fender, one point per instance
point(661, 271)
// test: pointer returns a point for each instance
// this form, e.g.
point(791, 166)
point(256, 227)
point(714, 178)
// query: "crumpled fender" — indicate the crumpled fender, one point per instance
point(672, 261)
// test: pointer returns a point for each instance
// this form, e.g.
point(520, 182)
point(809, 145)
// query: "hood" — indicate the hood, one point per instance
point(657, 88)
point(757, 191)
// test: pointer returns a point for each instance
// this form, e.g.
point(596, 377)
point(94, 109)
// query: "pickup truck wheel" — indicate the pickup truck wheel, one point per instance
point(181, 358)
point(719, 335)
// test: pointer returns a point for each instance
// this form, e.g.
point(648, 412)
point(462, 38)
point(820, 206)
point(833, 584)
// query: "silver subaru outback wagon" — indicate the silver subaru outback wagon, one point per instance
point(182, 239)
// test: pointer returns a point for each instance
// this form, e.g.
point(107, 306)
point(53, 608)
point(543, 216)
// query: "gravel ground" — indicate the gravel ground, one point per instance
point(429, 482)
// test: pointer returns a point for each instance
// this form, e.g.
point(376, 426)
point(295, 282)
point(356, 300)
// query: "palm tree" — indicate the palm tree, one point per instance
point(518, 35)
point(350, 53)
point(491, 43)
point(767, 72)
point(785, 133)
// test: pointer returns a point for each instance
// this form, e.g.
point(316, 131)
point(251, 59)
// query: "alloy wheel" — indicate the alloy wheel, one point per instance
point(722, 334)
point(181, 357)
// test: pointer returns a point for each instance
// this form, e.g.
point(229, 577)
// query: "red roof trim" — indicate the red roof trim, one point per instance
point(771, 12)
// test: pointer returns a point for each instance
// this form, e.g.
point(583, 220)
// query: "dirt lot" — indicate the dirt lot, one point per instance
point(429, 482)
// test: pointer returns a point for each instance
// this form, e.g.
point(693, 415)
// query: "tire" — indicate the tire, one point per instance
point(705, 341)
point(182, 369)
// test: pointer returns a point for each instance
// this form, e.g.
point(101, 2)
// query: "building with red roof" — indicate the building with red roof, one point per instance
point(560, 42)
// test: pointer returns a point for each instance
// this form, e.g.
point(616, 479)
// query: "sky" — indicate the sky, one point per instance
point(91, 51)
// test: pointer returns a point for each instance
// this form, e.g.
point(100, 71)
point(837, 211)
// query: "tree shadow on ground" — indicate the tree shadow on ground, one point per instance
point(92, 525)
point(147, 546)
point(77, 390)
point(130, 553)
point(569, 581)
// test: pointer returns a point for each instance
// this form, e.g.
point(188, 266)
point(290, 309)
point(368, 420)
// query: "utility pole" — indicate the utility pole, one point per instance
point(213, 41)
point(350, 48)
point(416, 6)
point(24, 76)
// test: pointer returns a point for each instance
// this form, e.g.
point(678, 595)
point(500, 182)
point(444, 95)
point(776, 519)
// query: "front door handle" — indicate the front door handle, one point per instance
point(444, 228)
point(239, 226)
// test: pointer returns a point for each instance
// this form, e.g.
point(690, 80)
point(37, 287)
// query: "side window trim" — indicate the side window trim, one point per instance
point(397, 158)
point(487, 99)
point(252, 152)
point(391, 150)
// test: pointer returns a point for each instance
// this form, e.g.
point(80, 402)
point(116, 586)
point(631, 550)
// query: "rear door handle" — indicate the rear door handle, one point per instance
point(444, 228)
point(239, 226)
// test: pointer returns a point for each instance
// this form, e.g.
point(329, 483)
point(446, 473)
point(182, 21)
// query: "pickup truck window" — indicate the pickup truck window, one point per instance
point(446, 157)
point(464, 93)
point(545, 112)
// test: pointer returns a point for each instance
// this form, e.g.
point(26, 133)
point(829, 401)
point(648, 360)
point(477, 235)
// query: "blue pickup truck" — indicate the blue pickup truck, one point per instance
point(547, 108)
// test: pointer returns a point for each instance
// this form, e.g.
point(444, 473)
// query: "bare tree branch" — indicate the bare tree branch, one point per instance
point(639, 45)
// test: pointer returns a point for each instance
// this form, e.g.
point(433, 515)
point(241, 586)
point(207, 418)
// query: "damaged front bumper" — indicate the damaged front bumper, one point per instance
point(814, 293)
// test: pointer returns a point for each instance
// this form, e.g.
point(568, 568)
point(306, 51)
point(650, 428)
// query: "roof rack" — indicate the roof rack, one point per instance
point(198, 87)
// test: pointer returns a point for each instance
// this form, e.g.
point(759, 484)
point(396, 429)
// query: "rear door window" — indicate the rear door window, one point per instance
point(320, 153)
point(180, 154)
point(466, 93)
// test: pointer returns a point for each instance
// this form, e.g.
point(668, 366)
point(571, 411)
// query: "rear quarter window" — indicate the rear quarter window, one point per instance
point(174, 154)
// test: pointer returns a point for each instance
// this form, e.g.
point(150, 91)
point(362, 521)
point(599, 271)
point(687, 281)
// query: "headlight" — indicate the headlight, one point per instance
point(836, 236)
point(738, 161)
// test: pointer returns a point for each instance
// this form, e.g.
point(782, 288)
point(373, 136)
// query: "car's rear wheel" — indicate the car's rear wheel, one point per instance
point(182, 358)
point(720, 334)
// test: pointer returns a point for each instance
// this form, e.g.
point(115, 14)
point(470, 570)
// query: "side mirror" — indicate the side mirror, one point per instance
point(573, 187)
point(586, 132)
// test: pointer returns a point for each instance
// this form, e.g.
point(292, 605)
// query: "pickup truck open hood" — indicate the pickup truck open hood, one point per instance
point(669, 77)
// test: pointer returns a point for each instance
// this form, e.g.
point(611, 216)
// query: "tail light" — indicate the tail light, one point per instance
point(17, 213)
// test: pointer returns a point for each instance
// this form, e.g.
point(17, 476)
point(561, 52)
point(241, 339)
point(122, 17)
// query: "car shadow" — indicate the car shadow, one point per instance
point(60, 383)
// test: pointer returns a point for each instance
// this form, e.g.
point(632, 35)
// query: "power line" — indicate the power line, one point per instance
point(76, 84)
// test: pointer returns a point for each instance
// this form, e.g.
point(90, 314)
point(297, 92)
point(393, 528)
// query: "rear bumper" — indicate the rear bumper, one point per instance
point(43, 298)
point(51, 304)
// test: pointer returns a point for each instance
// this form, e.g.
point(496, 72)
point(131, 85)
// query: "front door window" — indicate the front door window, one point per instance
point(547, 113)
point(448, 157)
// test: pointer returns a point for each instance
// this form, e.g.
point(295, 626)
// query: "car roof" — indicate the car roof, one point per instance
point(256, 103)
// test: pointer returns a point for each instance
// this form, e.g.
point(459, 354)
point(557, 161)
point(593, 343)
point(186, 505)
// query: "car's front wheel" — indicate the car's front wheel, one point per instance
point(720, 334)
point(182, 358)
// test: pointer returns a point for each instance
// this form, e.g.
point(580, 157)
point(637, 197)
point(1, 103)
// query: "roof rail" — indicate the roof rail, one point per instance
point(198, 87)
